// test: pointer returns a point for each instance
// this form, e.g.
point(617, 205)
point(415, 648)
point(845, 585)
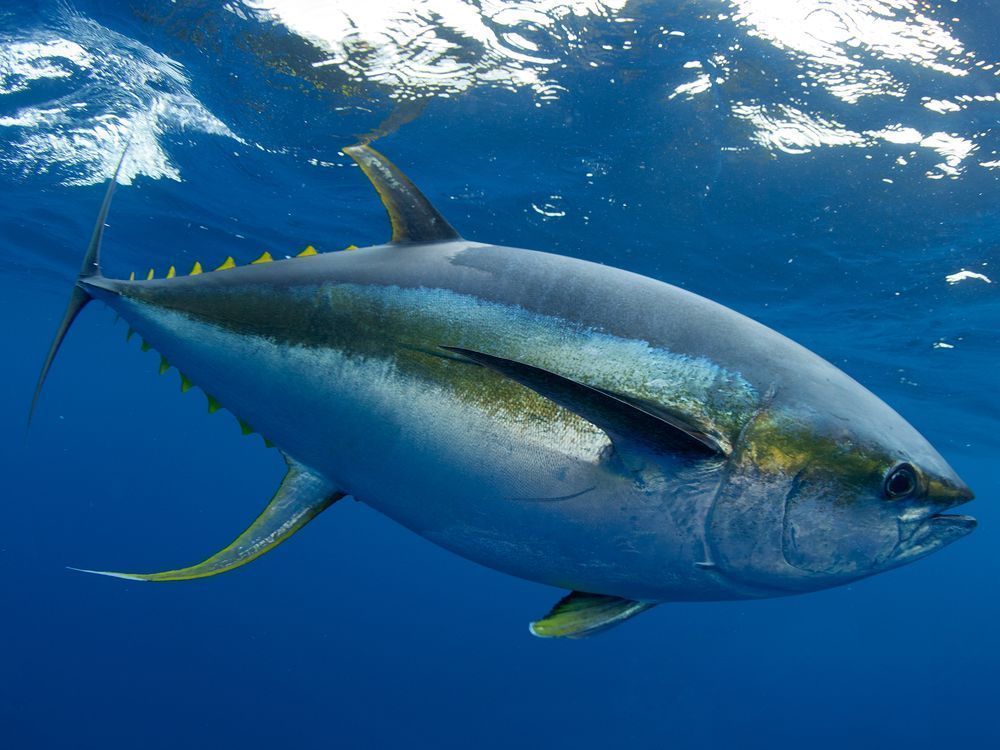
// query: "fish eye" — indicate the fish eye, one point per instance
point(900, 482)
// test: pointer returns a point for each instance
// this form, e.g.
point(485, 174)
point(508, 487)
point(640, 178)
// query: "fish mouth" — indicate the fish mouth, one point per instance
point(921, 537)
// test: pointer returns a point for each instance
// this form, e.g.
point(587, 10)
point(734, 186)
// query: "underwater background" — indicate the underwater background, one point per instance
point(827, 167)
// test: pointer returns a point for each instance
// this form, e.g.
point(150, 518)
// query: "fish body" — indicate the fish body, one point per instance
point(559, 420)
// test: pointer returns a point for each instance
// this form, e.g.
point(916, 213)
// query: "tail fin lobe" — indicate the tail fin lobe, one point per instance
point(79, 297)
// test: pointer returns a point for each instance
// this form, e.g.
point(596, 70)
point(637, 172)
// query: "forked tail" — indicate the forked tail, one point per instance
point(79, 297)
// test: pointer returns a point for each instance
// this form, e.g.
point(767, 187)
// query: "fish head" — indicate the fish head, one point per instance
point(828, 489)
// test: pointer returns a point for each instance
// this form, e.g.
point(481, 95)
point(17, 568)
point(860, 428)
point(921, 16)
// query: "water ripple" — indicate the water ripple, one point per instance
point(844, 43)
point(442, 47)
point(844, 52)
point(110, 88)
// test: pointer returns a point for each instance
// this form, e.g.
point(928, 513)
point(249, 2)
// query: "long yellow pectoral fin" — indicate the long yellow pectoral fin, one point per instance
point(302, 496)
point(579, 615)
point(629, 423)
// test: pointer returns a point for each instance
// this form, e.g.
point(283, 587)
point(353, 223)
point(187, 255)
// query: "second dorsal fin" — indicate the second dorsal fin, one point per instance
point(413, 217)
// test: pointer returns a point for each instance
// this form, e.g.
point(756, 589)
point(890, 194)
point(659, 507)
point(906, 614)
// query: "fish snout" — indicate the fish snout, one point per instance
point(945, 494)
point(948, 492)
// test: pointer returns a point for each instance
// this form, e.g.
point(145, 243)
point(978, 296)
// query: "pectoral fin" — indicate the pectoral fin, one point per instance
point(580, 615)
point(302, 496)
point(625, 422)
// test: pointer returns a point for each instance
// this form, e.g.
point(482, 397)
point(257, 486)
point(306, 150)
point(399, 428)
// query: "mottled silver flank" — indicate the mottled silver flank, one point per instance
point(566, 422)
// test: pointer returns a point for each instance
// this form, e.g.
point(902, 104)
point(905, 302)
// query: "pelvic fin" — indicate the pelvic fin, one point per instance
point(579, 615)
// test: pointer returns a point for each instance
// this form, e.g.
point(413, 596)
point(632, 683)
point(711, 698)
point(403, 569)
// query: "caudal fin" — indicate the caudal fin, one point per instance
point(79, 297)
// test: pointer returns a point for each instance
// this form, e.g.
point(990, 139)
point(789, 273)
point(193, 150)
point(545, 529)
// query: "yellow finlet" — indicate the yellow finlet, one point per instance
point(244, 427)
point(164, 365)
point(310, 250)
point(129, 334)
point(149, 276)
point(145, 345)
point(265, 257)
point(131, 276)
point(171, 272)
point(227, 264)
point(186, 385)
point(195, 269)
point(351, 247)
point(213, 405)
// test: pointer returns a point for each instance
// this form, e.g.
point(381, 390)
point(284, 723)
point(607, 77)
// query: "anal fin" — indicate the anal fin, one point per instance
point(302, 496)
point(579, 615)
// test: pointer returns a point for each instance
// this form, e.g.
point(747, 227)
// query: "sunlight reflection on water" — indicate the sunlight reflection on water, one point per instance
point(116, 89)
point(442, 47)
point(850, 49)
point(833, 56)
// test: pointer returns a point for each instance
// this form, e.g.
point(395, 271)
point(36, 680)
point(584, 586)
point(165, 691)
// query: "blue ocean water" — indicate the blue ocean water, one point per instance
point(828, 167)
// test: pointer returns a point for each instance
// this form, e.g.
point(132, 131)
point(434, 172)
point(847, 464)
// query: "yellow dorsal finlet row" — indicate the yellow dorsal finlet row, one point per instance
point(229, 262)
point(197, 268)
point(187, 385)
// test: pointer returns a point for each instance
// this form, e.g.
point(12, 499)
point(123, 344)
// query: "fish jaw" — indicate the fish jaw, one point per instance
point(931, 534)
point(926, 528)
